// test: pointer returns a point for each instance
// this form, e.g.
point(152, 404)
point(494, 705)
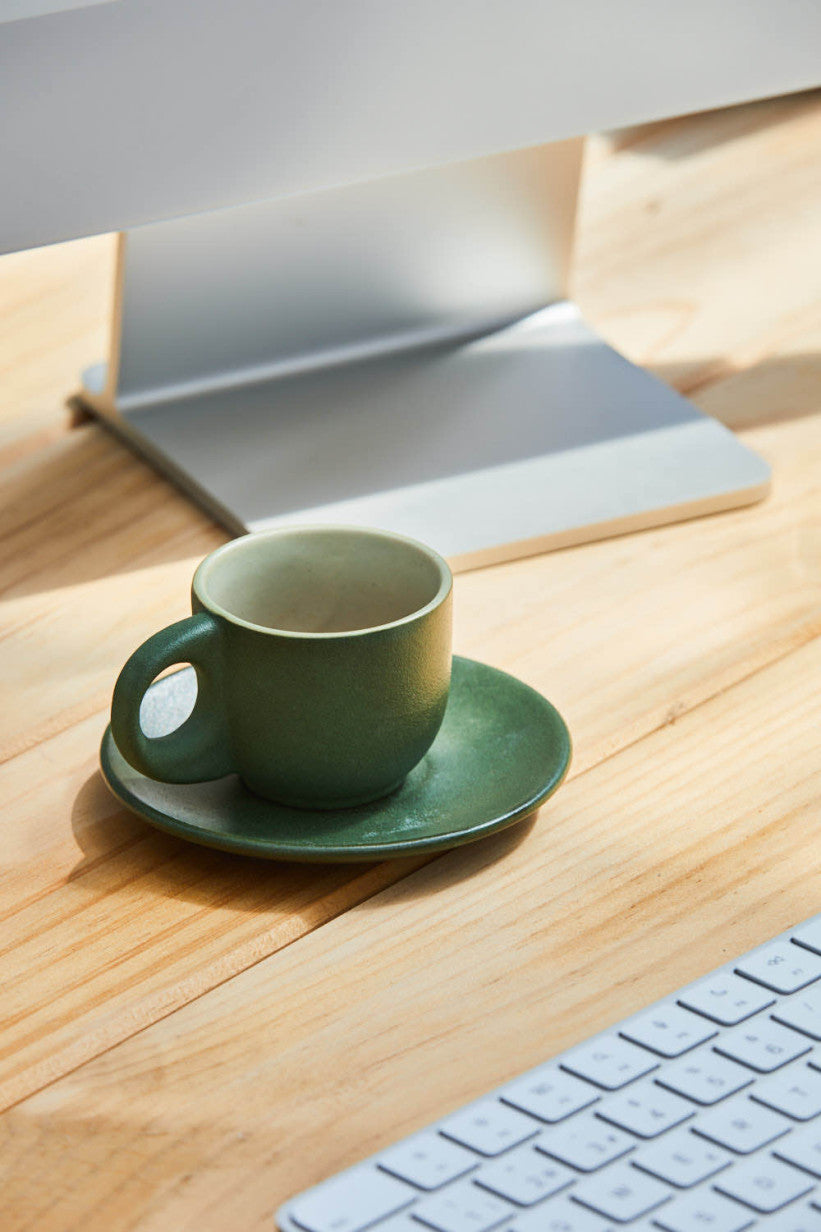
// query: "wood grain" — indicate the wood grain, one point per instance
point(110, 927)
point(651, 869)
point(695, 234)
point(55, 305)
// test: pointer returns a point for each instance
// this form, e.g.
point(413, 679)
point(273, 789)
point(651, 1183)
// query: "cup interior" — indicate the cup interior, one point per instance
point(317, 581)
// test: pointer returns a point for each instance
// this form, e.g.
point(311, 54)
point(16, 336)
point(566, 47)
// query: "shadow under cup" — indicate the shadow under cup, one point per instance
point(323, 661)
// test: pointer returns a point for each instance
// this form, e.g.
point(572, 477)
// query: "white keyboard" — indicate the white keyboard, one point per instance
point(700, 1114)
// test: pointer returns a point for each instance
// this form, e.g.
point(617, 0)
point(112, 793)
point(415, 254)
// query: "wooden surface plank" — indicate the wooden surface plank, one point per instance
point(688, 847)
point(108, 926)
point(698, 238)
point(97, 552)
point(55, 304)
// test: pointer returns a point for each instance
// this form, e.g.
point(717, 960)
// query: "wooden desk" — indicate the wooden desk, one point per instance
point(188, 1038)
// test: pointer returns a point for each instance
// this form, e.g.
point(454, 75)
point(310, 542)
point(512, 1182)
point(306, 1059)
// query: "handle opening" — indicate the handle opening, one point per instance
point(198, 747)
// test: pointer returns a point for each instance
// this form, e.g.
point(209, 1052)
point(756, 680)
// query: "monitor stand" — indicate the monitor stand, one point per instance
point(402, 353)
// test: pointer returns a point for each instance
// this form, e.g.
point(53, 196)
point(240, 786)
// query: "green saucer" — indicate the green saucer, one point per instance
point(501, 751)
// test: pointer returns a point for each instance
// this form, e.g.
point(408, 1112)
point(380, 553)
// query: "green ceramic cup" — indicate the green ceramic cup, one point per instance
point(323, 666)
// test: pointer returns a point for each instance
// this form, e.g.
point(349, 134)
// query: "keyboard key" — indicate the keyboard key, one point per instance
point(669, 1030)
point(741, 1125)
point(550, 1094)
point(809, 935)
point(610, 1062)
point(621, 1193)
point(427, 1160)
point(561, 1215)
point(764, 1184)
point(462, 1208)
point(726, 999)
point(705, 1078)
point(524, 1176)
point(352, 1201)
point(703, 1211)
point(796, 1092)
point(646, 1110)
point(802, 1012)
point(802, 1148)
point(682, 1159)
point(404, 1222)
point(782, 966)
point(668, 1123)
point(763, 1045)
point(489, 1127)
point(586, 1143)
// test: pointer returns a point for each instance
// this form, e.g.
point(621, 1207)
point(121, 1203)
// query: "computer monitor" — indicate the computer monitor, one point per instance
point(343, 284)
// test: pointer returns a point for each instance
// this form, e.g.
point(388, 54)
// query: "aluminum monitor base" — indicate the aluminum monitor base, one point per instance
point(536, 436)
point(402, 353)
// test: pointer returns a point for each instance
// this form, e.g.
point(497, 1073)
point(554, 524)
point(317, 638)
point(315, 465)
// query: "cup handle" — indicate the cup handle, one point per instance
point(199, 748)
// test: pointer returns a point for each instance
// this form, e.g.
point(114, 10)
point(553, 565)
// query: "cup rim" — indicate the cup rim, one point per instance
point(200, 579)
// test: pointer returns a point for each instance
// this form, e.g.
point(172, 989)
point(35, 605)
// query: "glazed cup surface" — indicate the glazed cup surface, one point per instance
point(323, 666)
